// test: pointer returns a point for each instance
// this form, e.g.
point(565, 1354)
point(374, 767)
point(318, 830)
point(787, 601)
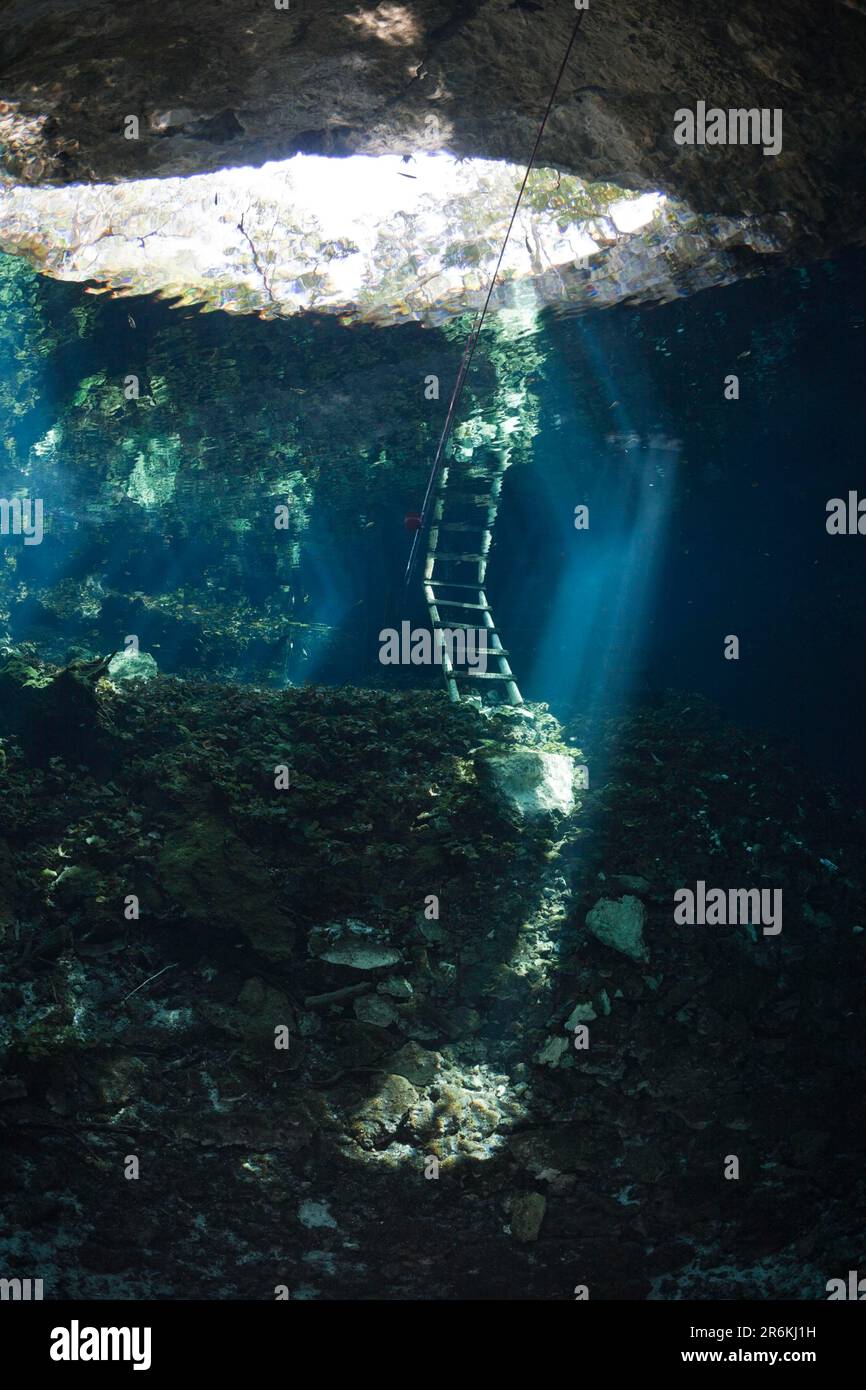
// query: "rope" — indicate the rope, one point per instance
point(478, 323)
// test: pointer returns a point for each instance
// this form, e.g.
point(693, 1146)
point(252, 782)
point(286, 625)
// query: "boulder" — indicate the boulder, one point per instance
point(529, 785)
point(619, 924)
point(132, 666)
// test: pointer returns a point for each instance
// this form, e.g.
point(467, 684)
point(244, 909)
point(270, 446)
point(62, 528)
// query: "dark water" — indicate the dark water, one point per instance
point(722, 533)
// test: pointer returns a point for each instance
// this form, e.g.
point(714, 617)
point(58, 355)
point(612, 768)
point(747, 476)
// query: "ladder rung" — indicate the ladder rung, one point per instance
point(479, 499)
point(464, 558)
point(452, 584)
point(452, 603)
point(468, 627)
point(479, 675)
point(481, 651)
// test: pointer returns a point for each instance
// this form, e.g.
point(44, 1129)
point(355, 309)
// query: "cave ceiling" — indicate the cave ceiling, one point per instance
point(131, 137)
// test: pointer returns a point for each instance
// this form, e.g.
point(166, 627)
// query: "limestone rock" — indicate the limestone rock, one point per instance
point(581, 1013)
point(372, 1008)
point(527, 1214)
point(377, 1121)
point(553, 1053)
point(354, 944)
point(529, 785)
point(316, 1216)
point(236, 85)
point(120, 1079)
point(418, 1064)
point(620, 925)
point(397, 986)
point(132, 666)
point(77, 886)
point(262, 1008)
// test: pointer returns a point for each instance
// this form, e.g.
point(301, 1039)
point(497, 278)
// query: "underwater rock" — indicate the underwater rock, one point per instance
point(249, 1132)
point(432, 932)
point(527, 1214)
point(354, 944)
point(553, 1053)
point(581, 1013)
point(316, 1216)
point(261, 1008)
point(416, 1063)
point(461, 1022)
point(632, 883)
point(120, 1079)
point(530, 784)
point(372, 1008)
point(379, 1118)
point(398, 987)
point(132, 666)
point(76, 886)
point(52, 707)
point(211, 875)
point(620, 925)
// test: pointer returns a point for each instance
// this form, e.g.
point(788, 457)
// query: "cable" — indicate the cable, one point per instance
point(479, 320)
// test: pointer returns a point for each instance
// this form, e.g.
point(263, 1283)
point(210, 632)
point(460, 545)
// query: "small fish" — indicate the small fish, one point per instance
point(406, 176)
point(744, 354)
point(130, 320)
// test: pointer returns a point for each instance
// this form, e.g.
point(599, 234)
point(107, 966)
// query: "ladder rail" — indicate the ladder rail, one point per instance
point(479, 556)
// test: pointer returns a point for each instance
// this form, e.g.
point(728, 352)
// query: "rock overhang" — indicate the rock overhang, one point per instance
point(95, 93)
point(232, 85)
point(381, 240)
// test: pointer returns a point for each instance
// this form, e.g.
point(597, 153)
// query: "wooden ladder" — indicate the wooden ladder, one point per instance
point(465, 513)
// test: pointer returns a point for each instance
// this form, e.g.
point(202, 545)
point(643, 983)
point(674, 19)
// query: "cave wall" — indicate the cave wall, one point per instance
point(217, 85)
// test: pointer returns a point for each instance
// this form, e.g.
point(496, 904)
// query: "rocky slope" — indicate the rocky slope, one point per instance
point(376, 1032)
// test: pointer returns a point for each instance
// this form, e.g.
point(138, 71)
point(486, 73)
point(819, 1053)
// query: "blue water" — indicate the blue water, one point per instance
point(707, 515)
